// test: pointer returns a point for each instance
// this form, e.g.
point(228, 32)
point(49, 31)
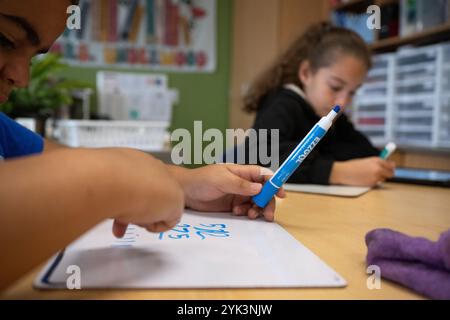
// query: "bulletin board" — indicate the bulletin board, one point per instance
point(163, 35)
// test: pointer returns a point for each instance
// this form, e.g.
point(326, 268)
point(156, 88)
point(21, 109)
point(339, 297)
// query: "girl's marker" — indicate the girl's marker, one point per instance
point(295, 158)
point(388, 150)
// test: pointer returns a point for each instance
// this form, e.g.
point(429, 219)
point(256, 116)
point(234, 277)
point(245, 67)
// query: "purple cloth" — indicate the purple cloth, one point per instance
point(417, 263)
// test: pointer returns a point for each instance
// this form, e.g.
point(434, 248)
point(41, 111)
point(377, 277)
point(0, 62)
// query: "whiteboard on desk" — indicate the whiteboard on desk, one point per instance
point(214, 250)
point(331, 190)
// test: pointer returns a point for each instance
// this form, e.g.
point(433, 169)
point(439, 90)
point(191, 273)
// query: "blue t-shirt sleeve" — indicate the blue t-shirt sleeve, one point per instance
point(16, 140)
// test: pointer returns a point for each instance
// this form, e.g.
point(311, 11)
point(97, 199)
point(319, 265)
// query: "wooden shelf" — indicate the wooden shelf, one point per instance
point(352, 5)
point(385, 2)
point(361, 5)
point(434, 34)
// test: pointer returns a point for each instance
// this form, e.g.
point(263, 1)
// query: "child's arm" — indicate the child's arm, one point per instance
point(235, 179)
point(47, 201)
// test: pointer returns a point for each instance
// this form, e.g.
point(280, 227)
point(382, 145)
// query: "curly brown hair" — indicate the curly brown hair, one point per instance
point(320, 44)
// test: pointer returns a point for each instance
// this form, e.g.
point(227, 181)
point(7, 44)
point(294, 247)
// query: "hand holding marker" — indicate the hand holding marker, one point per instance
point(388, 150)
point(386, 153)
point(297, 156)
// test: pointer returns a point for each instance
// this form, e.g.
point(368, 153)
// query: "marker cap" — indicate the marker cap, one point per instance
point(391, 147)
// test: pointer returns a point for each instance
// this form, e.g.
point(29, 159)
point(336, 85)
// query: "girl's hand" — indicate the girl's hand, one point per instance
point(362, 172)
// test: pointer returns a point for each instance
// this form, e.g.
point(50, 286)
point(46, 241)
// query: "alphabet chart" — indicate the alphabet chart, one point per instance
point(205, 250)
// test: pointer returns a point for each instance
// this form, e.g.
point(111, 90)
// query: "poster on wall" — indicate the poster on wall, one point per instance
point(162, 35)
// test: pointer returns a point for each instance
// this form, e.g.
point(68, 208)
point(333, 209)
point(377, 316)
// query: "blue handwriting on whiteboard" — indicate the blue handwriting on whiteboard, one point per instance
point(202, 231)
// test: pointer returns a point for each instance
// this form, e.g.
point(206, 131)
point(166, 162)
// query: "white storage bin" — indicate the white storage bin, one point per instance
point(370, 117)
point(411, 126)
point(444, 122)
point(406, 98)
point(415, 86)
point(377, 80)
point(377, 76)
point(374, 89)
point(381, 61)
point(413, 104)
point(372, 114)
point(412, 56)
point(445, 80)
point(370, 108)
point(142, 135)
point(413, 120)
point(413, 139)
point(414, 71)
point(413, 134)
point(446, 53)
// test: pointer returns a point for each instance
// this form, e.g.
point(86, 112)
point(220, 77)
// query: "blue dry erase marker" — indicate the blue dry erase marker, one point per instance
point(387, 151)
point(295, 158)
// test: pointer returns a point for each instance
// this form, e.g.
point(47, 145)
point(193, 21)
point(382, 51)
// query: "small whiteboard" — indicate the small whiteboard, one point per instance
point(331, 190)
point(212, 250)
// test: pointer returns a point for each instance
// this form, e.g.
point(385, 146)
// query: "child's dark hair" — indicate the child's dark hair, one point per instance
point(320, 45)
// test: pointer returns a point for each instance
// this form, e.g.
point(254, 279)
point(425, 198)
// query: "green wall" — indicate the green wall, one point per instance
point(203, 96)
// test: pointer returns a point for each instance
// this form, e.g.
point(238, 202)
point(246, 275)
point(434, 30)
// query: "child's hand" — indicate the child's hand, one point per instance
point(362, 172)
point(159, 199)
point(226, 187)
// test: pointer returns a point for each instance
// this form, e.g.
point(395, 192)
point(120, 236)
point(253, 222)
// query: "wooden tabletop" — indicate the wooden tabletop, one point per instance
point(332, 227)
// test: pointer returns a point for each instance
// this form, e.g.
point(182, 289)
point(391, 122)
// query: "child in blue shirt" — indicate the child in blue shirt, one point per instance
point(17, 141)
point(50, 195)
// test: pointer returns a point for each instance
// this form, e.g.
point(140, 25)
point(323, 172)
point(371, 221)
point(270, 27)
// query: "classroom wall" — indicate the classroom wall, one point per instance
point(259, 36)
point(203, 96)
